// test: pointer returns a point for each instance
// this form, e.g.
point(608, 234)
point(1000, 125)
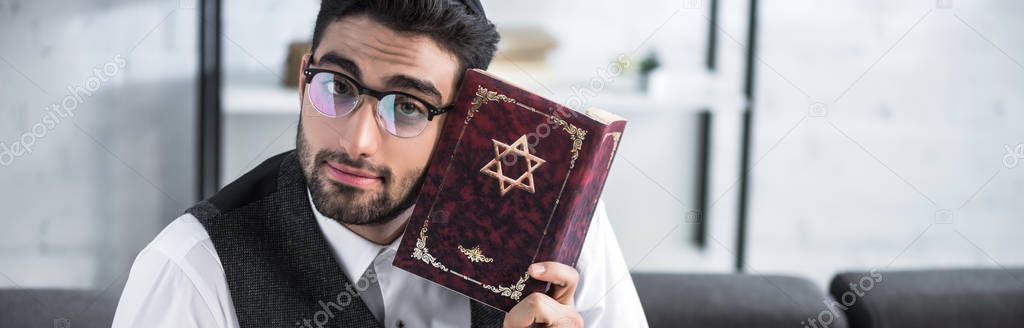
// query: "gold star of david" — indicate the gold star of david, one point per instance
point(518, 148)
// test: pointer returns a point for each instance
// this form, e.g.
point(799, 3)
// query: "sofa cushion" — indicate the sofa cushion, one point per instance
point(734, 300)
point(933, 298)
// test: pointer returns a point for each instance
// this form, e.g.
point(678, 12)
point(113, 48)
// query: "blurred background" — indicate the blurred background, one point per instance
point(803, 138)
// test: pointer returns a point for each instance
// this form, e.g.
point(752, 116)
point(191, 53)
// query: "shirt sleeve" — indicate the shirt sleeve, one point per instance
point(606, 296)
point(168, 287)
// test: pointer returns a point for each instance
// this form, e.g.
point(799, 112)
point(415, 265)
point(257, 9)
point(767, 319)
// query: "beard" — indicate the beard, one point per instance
point(350, 205)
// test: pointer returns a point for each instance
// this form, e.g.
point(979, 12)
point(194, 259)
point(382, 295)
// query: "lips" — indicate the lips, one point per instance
point(352, 176)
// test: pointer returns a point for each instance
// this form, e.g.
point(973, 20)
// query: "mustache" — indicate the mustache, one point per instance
point(323, 156)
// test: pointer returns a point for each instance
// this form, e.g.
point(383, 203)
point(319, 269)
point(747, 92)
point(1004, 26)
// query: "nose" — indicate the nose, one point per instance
point(361, 137)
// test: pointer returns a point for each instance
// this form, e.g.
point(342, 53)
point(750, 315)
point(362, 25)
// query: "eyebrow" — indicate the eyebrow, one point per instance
point(407, 82)
point(343, 62)
point(399, 81)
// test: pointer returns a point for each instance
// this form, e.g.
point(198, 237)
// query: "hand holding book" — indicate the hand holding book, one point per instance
point(556, 309)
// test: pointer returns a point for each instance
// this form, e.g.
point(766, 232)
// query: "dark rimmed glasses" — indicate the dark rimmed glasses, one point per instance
point(334, 94)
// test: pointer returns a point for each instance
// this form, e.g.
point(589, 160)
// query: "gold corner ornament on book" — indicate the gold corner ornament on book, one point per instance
point(514, 180)
point(519, 149)
point(475, 255)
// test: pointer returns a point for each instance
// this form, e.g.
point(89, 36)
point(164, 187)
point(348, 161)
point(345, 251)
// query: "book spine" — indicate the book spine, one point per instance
point(577, 209)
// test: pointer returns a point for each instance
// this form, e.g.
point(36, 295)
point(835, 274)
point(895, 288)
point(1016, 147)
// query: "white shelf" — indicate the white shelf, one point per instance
point(255, 100)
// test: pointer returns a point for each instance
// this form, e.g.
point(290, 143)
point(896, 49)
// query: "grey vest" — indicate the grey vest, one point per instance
point(279, 267)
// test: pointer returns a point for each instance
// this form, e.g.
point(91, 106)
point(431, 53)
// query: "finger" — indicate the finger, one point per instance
point(532, 309)
point(538, 308)
point(563, 278)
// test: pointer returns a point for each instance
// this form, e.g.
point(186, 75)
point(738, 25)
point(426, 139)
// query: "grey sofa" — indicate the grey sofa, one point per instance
point(51, 308)
point(903, 299)
point(935, 298)
point(931, 298)
point(733, 300)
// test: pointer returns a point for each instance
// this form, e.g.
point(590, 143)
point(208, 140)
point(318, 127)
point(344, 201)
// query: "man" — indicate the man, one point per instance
point(282, 245)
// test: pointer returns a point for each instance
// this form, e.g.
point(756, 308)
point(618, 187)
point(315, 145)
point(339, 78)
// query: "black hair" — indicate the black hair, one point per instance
point(454, 26)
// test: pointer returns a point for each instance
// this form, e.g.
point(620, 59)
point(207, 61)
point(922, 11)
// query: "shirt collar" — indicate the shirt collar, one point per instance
point(354, 252)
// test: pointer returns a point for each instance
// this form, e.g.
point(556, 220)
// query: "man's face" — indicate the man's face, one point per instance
point(357, 172)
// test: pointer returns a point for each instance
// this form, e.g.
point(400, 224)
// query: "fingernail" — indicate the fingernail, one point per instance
point(538, 269)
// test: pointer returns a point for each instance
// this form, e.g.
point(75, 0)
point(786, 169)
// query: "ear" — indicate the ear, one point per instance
point(302, 77)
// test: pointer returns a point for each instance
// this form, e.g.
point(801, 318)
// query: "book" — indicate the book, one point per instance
point(514, 180)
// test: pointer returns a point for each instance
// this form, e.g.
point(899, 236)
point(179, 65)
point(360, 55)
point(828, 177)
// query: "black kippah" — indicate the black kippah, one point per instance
point(475, 7)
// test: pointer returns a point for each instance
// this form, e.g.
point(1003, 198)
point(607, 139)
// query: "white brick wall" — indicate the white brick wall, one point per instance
point(75, 211)
point(923, 130)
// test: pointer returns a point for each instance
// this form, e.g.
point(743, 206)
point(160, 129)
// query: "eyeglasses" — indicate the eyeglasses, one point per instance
point(335, 94)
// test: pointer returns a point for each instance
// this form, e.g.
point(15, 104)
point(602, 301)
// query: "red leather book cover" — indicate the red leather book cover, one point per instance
point(514, 180)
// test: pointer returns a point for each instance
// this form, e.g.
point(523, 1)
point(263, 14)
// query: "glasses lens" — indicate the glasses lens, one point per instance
point(332, 95)
point(401, 115)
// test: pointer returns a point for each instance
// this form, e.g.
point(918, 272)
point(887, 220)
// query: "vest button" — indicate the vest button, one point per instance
point(400, 324)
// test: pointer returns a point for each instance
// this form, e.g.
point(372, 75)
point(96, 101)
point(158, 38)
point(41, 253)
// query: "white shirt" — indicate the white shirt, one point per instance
point(177, 281)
